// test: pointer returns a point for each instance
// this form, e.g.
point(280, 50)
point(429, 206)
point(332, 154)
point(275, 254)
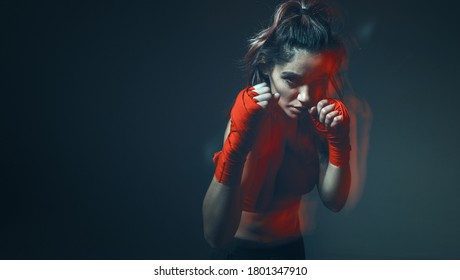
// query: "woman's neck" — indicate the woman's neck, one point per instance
point(289, 125)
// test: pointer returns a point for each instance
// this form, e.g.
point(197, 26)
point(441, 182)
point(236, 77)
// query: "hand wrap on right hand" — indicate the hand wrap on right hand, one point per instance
point(244, 119)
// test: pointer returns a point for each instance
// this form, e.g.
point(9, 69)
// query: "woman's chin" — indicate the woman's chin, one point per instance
point(294, 113)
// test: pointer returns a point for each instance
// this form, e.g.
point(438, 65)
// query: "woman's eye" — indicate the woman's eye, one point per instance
point(290, 82)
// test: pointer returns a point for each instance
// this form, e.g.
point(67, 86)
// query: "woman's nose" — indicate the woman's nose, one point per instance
point(304, 95)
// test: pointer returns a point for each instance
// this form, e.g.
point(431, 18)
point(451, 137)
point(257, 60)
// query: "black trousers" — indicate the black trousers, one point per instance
point(240, 249)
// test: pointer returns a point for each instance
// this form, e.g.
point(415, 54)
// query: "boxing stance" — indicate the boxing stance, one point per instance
point(286, 135)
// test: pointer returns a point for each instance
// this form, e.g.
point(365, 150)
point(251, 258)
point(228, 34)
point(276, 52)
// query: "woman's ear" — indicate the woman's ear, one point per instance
point(266, 75)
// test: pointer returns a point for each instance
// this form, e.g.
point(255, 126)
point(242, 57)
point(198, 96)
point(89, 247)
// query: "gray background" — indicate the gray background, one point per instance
point(110, 112)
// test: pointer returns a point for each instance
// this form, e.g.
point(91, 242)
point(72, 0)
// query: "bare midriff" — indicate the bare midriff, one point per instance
point(278, 225)
point(282, 166)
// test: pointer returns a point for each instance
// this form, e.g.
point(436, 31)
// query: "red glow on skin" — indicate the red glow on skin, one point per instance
point(275, 177)
point(360, 125)
point(302, 82)
point(282, 166)
point(284, 223)
point(278, 171)
point(290, 216)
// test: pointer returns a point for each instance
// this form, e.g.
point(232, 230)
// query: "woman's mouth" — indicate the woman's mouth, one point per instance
point(299, 109)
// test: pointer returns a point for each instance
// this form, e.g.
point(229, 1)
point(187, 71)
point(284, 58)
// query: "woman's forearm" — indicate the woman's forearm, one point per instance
point(334, 186)
point(221, 213)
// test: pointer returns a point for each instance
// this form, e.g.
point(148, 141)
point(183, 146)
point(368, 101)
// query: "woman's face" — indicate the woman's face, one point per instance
point(302, 82)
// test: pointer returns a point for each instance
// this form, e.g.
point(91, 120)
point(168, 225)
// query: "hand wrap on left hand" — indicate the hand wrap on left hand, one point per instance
point(337, 137)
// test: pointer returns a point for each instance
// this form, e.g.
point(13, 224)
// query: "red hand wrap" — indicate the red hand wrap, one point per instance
point(244, 116)
point(338, 137)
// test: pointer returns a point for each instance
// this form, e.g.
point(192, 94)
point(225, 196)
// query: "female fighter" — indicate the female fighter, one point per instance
point(287, 134)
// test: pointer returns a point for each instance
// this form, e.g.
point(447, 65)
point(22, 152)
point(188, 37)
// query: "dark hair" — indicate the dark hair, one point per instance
point(297, 25)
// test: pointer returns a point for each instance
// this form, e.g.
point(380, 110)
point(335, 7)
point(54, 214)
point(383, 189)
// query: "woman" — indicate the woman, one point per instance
point(285, 136)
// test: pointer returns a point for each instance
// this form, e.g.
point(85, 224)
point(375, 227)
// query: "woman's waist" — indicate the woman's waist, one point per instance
point(275, 225)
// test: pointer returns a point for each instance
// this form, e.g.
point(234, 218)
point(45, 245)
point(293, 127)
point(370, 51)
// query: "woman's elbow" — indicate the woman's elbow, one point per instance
point(335, 203)
point(216, 234)
point(335, 206)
